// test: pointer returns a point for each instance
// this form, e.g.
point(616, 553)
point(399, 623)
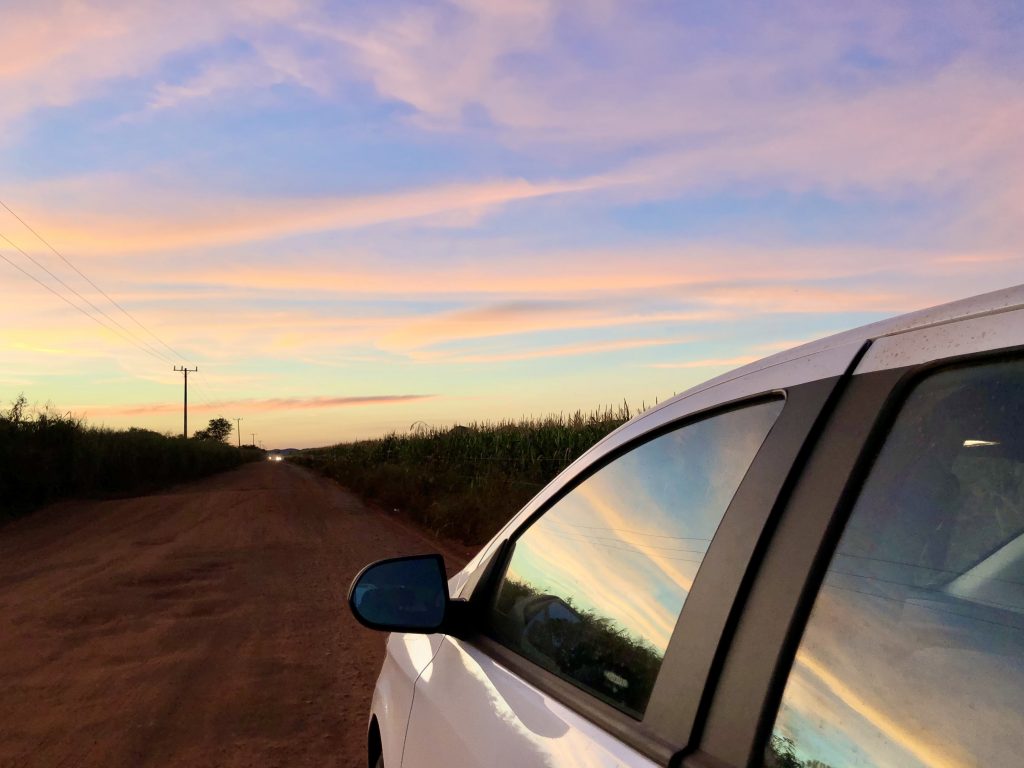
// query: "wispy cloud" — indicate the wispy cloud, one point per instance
point(187, 221)
point(790, 106)
point(58, 53)
point(252, 405)
point(568, 350)
point(526, 317)
point(419, 311)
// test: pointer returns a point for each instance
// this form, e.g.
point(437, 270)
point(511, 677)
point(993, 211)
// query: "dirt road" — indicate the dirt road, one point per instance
point(202, 626)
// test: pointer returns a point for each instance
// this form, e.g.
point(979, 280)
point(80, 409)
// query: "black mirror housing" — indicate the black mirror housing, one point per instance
point(402, 594)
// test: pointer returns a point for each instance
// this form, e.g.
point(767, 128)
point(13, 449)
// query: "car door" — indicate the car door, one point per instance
point(600, 620)
point(885, 624)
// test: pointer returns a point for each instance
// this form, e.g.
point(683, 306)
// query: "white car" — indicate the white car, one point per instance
point(814, 560)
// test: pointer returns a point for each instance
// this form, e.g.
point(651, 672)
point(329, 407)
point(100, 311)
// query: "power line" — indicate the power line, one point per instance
point(140, 343)
point(24, 253)
point(67, 261)
point(204, 392)
point(70, 303)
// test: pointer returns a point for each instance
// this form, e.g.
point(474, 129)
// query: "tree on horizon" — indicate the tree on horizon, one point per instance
point(218, 429)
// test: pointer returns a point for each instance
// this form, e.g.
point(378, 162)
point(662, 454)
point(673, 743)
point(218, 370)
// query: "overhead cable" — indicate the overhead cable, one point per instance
point(67, 261)
point(70, 303)
point(28, 256)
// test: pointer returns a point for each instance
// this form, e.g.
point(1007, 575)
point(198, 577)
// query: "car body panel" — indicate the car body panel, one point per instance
point(406, 656)
point(471, 711)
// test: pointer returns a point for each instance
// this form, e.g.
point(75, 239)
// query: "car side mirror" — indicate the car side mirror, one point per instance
point(402, 594)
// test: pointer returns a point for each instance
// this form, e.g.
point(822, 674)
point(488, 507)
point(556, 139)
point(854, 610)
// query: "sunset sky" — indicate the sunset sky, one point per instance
point(355, 216)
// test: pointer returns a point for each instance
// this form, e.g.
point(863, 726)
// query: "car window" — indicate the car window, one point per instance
point(595, 585)
point(914, 651)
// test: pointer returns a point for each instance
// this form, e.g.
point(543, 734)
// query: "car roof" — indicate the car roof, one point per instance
point(984, 304)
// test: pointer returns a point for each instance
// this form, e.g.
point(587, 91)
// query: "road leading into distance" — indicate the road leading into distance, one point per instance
point(201, 626)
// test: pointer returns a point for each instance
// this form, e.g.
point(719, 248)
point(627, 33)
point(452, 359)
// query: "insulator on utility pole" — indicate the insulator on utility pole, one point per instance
point(186, 370)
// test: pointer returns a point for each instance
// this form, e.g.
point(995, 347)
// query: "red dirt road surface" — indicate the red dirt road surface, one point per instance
point(201, 626)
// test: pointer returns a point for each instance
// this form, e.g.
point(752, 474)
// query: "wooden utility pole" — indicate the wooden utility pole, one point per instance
point(186, 371)
point(238, 421)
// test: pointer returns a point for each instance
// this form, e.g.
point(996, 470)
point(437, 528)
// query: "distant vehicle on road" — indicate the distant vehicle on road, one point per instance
point(814, 560)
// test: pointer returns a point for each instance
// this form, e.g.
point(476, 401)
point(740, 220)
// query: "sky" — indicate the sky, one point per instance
point(356, 216)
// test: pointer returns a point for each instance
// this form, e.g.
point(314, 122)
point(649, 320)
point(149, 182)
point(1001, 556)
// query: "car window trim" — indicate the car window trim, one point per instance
point(723, 579)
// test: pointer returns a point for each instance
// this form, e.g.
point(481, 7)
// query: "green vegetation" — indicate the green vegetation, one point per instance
point(46, 455)
point(467, 481)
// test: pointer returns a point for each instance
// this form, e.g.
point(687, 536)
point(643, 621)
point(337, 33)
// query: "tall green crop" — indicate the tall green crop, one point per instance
point(47, 455)
point(464, 482)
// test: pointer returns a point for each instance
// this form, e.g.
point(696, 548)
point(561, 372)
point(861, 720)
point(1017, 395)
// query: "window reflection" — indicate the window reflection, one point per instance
point(914, 654)
point(595, 586)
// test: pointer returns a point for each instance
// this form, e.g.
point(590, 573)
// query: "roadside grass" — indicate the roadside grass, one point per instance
point(46, 455)
point(464, 482)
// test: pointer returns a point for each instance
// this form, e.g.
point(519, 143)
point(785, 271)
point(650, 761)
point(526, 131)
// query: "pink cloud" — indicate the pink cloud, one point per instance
point(521, 318)
point(567, 350)
point(58, 52)
point(688, 289)
point(252, 405)
point(108, 220)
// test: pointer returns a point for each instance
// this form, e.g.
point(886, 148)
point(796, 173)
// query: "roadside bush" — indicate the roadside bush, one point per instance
point(464, 482)
point(46, 455)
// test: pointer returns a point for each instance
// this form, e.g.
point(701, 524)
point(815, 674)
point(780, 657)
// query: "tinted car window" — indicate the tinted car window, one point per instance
point(594, 587)
point(914, 652)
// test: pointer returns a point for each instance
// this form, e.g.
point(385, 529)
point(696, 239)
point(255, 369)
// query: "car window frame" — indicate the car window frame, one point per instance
point(679, 695)
point(905, 393)
point(792, 569)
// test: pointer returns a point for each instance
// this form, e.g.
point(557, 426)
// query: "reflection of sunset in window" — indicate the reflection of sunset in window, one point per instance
point(620, 552)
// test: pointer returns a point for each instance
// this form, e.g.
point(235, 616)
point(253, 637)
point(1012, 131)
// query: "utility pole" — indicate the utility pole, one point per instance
point(253, 439)
point(186, 370)
point(238, 421)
